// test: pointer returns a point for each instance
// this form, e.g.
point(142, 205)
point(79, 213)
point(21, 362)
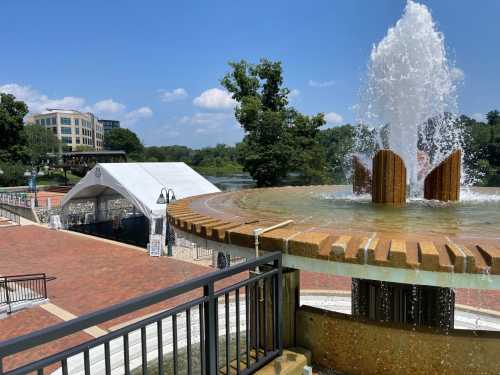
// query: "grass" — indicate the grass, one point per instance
point(57, 178)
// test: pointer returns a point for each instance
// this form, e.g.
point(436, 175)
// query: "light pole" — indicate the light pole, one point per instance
point(32, 174)
point(166, 200)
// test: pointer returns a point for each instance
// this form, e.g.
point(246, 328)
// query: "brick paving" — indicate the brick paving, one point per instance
point(29, 320)
point(93, 274)
point(42, 197)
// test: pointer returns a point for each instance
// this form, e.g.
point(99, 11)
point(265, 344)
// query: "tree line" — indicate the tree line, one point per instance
point(280, 145)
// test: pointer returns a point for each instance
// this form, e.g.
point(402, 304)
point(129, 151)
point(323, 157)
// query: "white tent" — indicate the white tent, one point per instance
point(140, 184)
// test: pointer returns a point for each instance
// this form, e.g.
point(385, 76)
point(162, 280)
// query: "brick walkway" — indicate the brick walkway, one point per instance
point(93, 274)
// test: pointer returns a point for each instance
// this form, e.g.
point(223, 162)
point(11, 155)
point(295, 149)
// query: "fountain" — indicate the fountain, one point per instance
point(407, 232)
point(410, 94)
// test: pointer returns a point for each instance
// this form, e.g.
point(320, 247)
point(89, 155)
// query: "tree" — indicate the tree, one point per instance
point(493, 117)
point(338, 143)
point(123, 139)
point(38, 142)
point(12, 113)
point(278, 139)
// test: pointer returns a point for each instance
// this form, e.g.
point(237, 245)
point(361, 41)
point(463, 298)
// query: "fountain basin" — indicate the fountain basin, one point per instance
point(425, 242)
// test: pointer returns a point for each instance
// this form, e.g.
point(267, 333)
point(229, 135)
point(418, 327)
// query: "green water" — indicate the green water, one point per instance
point(476, 215)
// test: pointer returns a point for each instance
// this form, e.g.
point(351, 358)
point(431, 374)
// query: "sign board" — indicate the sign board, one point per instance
point(155, 245)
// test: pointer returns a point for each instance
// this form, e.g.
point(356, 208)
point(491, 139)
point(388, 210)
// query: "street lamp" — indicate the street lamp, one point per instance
point(165, 199)
point(33, 174)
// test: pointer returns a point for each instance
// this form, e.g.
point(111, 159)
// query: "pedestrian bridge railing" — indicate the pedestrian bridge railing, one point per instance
point(229, 322)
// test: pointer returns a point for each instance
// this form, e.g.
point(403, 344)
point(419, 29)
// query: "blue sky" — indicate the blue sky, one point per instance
point(156, 65)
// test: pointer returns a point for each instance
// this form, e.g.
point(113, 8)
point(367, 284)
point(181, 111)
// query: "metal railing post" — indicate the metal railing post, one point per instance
point(209, 328)
point(279, 300)
point(7, 296)
point(45, 286)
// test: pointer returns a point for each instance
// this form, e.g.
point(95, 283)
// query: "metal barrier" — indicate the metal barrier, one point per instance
point(23, 288)
point(15, 218)
point(15, 199)
point(253, 342)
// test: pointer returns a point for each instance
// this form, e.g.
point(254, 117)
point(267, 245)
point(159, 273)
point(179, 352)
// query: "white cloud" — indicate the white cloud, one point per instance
point(38, 102)
point(215, 99)
point(293, 94)
point(138, 114)
point(174, 95)
point(481, 117)
point(108, 106)
point(457, 74)
point(210, 119)
point(321, 84)
point(333, 118)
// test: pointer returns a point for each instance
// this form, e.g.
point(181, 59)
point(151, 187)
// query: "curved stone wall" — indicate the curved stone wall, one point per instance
point(357, 346)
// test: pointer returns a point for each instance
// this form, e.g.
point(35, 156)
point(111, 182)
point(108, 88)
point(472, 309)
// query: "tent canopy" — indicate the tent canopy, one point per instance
point(140, 184)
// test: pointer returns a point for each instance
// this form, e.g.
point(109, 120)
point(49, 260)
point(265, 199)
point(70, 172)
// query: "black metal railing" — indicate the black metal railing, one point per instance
point(22, 288)
point(232, 329)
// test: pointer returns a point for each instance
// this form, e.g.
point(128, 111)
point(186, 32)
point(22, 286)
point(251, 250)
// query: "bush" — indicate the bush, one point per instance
point(13, 174)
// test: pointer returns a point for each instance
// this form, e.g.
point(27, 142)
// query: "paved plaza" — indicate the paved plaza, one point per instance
point(93, 273)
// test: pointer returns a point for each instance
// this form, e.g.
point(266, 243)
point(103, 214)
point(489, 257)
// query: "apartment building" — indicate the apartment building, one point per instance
point(72, 128)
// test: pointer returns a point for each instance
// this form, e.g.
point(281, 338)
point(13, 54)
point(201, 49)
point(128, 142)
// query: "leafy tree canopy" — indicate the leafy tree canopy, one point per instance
point(38, 142)
point(123, 139)
point(278, 139)
point(12, 113)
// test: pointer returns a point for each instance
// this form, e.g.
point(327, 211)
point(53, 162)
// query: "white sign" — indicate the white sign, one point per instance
point(155, 245)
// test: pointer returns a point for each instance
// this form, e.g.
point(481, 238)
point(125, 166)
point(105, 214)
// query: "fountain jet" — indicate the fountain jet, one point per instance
point(409, 97)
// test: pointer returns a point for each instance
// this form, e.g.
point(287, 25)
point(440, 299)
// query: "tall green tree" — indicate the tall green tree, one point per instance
point(123, 139)
point(38, 141)
point(338, 144)
point(278, 139)
point(12, 114)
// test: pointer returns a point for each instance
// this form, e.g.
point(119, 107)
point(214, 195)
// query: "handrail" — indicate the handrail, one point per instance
point(28, 341)
point(23, 288)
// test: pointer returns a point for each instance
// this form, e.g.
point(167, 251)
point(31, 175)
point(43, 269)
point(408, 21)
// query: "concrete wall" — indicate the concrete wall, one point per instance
point(356, 346)
point(27, 213)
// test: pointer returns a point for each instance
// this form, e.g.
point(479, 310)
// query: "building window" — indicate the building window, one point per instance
point(65, 121)
point(53, 120)
point(65, 130)
point(78, 140)
point(77, 130)
point(54, 130)
point(77, 121)
point(43, 122)
point(67, 140)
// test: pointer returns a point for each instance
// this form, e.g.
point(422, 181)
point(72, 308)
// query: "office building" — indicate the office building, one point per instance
point(72, 128)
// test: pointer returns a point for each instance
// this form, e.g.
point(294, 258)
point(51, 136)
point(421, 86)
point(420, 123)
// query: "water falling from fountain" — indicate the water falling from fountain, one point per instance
point(409, 98)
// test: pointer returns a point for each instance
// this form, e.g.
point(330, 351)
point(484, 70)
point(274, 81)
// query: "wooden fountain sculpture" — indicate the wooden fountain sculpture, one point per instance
point(388, 178)
point(362, 177)
point(443, 182)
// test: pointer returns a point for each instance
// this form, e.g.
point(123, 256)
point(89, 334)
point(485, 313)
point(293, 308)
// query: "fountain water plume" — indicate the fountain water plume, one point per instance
point(409, 98)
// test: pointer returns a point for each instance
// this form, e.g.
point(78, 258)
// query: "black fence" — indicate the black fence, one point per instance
point(132, 230)
point(232, 329)
point(23, 288)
